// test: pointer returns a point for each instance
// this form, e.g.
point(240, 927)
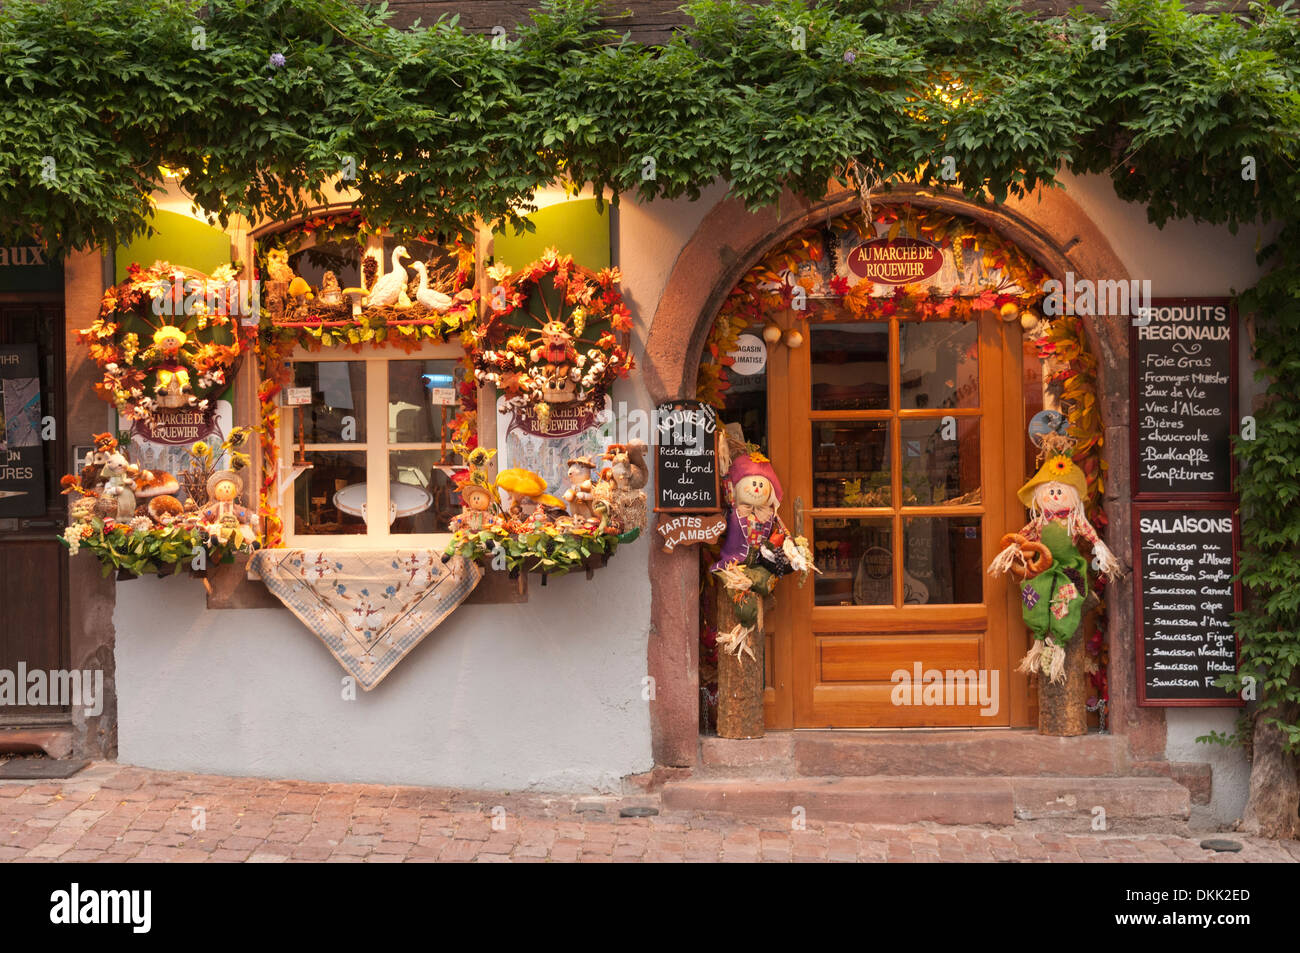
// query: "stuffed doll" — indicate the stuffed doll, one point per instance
point(477, 503)
point(578, 496)
point(756, 549)
point(223, 516)
point(1046, 555)
point(621, 482)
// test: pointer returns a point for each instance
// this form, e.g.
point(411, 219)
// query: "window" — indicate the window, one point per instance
point(376, 439)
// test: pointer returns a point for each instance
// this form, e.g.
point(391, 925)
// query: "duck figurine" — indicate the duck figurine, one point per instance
point(390, 290)
point(431, 298)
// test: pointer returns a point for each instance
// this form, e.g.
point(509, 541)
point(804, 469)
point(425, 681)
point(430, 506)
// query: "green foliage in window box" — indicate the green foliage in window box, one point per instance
point(143, 552)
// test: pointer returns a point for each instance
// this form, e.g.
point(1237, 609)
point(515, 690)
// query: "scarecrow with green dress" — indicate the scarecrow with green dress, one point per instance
point(1045, 555)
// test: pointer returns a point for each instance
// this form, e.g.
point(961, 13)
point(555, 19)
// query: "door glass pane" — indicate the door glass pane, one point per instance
point(850, 366)
point(422, 490)
point(338, 397)
point(327, 498)
point(421, 399)
point(851, 464)
point(856, 560)
point(941, 461)
point(938, 363)
point(942, 560)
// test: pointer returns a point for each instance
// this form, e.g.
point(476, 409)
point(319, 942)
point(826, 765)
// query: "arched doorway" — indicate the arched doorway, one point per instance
point(730, 241)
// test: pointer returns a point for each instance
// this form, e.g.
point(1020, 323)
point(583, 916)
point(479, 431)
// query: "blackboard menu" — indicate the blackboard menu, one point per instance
point(1184, 410)
point(686, 458)
point(1184, 564)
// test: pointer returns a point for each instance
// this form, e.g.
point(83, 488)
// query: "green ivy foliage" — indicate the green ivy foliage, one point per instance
point(1193, 116)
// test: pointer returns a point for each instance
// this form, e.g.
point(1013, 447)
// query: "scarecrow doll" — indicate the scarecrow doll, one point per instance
point(478, 499)
point(224, 517)
point(1045, 554)
point(756, 550)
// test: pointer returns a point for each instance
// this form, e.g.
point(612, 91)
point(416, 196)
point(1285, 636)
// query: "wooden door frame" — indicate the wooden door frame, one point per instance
point(788, 702)
point(1051, 228)
point(54, 302)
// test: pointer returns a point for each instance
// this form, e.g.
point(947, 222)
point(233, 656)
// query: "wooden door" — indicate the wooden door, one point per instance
point(903, 441)
point(33, 564)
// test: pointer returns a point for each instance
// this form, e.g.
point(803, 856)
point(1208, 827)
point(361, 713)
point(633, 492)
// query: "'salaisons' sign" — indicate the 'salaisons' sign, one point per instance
point(896, 261)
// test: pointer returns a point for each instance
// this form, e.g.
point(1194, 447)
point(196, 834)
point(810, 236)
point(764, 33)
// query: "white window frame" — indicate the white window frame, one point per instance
point(376, 448)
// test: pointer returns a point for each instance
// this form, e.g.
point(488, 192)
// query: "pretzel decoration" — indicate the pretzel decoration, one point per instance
point(1033, 557)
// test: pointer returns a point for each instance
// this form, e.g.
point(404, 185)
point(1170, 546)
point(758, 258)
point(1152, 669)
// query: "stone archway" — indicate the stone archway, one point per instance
point(1048, 225)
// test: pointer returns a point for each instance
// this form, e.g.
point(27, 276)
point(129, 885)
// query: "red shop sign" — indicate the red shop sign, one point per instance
point(896, 261)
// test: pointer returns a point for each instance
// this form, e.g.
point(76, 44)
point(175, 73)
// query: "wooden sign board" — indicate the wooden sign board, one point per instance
point(1184, 399)
point(686, 458)
point(1184, 560)
point(690, 530)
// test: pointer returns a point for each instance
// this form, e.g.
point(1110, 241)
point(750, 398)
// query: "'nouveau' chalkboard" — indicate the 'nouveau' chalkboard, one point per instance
point(1183, 564)
point(1184, 408)
point(686, 458)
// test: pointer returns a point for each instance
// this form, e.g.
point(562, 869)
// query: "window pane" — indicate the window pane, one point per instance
point(338, 396)
point(938, 363)
point(856, 560)
point(342, 258)
point(422, 489)
point(851, 464)
point(422, 399)
point(941, 461)
point(850, 366)
point(318, 507)
point(943, 560)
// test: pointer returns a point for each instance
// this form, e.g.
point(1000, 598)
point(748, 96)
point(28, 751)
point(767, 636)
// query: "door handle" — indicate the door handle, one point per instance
point(798, 515)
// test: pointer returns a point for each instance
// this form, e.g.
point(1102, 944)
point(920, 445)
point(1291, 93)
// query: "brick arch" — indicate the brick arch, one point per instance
point(1048, 225)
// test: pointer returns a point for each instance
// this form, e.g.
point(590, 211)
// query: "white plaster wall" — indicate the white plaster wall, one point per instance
point(545, 695)
point(1187, 260)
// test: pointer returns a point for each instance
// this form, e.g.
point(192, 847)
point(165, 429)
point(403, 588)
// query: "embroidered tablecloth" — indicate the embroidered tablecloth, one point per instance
point(369, 608)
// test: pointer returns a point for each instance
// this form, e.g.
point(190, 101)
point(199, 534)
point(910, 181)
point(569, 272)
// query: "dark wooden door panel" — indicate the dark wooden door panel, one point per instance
point(33, 576)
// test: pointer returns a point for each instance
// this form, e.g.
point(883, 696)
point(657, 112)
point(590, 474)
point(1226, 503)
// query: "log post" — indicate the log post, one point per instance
point(1062, 708)
point(740, 679)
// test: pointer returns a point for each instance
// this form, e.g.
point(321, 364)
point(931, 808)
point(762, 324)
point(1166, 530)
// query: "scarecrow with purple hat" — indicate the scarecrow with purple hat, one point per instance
point(756, 550)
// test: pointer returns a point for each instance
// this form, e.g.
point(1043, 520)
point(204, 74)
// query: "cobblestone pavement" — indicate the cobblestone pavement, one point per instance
point(115, 813)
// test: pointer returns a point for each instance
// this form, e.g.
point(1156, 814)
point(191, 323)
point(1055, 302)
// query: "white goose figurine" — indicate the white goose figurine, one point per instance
point(389, 288)
point(431, 298)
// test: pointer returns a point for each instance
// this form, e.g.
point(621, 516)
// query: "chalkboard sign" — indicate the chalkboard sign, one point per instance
point(686, 458)
point(1184, 564)
point(1184, 353)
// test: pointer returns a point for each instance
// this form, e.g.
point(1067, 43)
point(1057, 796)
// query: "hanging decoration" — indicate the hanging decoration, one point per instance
point(554, 333)
point(1070, 370)
point(837, 272)
point(166, 338)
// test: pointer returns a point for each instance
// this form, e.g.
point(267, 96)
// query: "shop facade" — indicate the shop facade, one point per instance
point(595, 678)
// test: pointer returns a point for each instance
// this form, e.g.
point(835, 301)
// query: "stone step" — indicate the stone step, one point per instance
point(1066, 803)
point(995, 753)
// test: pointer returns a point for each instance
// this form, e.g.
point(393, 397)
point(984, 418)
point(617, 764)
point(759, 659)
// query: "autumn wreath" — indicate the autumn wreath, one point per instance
point(165, 338)
point(554, 332)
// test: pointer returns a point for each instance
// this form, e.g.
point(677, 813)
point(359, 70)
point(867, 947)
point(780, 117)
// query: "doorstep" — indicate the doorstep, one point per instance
point(54, 740)
point(944, 752)
point(947, 776)
point(1060, 802)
